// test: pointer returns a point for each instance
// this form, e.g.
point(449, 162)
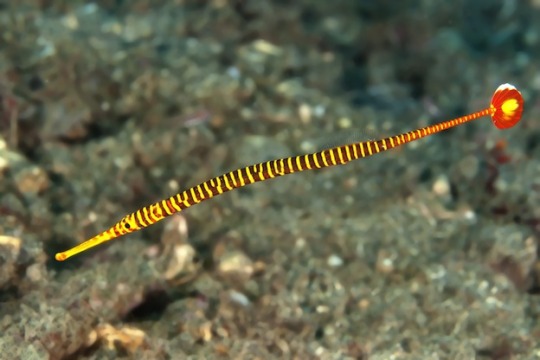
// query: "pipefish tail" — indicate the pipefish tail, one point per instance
point(505, 110)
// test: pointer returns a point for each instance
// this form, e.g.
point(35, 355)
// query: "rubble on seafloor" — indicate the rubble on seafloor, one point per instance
point(430, 251)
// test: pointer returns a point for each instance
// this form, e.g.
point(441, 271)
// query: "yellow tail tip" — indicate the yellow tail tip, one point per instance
point(60, 256)
point(506, 106)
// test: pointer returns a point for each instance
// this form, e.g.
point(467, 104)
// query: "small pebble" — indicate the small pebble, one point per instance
point(335, 261)
point(236, 263)
point(239, 298)
point(32, 180)
point(441, 186)
point(384, 264)
point(304, 111)
point(35, 273)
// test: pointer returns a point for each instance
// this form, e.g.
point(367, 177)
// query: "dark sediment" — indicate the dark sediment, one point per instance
point(426, 251)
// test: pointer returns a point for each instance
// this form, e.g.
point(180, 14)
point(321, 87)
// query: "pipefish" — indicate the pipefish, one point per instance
point(505, 110)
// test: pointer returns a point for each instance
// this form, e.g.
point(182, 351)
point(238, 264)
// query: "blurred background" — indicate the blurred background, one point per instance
point(426, 252)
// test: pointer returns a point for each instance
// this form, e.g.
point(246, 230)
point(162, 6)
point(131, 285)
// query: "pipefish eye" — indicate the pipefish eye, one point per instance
point(125, 224)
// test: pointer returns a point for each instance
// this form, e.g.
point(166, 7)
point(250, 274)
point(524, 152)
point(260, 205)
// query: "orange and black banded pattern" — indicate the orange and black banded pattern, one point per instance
point(505, 110)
